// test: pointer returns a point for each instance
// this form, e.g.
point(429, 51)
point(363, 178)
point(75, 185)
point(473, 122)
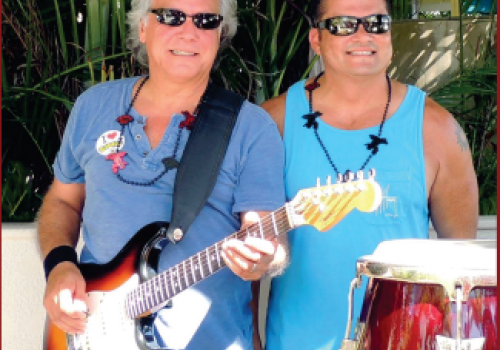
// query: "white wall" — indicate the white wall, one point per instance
point(23, 283)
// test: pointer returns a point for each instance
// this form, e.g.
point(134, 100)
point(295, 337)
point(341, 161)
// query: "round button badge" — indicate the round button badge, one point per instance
point(108, 142)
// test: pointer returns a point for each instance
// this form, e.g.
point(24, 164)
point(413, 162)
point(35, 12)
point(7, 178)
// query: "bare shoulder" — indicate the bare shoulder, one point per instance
point(276, 108)
point(450, 175)
point(442, 129)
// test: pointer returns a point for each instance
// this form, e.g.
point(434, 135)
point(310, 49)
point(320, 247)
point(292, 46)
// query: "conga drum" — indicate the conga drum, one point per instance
point(427, 295)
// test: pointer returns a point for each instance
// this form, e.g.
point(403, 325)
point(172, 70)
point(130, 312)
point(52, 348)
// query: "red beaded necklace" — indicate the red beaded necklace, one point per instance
point(169, 162)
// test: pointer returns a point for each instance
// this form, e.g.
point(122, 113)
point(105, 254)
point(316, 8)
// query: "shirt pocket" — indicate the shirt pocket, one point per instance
point(396, 194)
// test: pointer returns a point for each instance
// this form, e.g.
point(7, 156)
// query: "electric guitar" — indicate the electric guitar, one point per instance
point(124, 293)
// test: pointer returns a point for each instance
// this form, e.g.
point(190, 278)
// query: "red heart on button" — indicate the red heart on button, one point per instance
point(112, 135)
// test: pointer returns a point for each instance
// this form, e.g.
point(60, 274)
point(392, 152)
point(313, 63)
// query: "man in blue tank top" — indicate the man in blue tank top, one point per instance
point(352, 117)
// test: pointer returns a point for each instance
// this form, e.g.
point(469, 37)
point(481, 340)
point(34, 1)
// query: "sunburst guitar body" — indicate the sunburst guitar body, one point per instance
point(124, 293)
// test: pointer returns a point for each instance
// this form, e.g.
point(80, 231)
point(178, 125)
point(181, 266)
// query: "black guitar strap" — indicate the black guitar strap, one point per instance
point(202, 157)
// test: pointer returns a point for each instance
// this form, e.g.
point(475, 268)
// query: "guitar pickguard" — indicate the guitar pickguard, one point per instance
point(108, 325)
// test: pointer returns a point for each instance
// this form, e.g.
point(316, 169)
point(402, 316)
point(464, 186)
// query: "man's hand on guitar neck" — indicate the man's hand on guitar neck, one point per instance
point(252, 258)
point(66, 298)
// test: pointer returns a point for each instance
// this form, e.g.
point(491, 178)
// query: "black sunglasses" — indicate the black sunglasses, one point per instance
point(176, 18)
point(348, 25)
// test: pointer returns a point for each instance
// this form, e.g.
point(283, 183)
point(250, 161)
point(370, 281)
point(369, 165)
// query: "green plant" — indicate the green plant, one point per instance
point(402, 9)
point(44, 69)
point(271, 40)
point(471, 98)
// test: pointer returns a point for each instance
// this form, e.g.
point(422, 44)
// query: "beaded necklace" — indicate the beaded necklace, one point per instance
point(376, 140)
point(169, 162)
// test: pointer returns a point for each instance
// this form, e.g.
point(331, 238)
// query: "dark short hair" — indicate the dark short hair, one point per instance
point(316, 10)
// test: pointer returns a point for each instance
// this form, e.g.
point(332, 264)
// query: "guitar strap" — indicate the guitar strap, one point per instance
point(202, 157)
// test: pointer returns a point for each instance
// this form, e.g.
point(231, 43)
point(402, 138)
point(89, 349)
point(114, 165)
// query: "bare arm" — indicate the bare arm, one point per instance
point(255, 257)
point(59, 224)
point(60, 214)
point(451, 179)
point(276, 109)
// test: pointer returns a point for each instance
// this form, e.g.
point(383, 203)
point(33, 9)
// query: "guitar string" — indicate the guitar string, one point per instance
point(267, 225)
point(203, 261)
point(166, 278)
point(174, 276)
point(171, 283)
point(180, 272)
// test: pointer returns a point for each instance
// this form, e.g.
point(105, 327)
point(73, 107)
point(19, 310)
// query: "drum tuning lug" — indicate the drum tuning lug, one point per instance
point(360, 175)
point(348, 344)
point(444, 343)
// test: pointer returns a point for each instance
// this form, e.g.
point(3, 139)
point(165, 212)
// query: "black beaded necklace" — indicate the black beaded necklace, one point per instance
point(376, 140)
point(169, 162)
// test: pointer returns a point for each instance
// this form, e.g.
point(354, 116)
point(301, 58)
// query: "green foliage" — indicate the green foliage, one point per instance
point(53, 49)
point(401, 9)
point(44, 69)
point(471, 98)
point(270, 50)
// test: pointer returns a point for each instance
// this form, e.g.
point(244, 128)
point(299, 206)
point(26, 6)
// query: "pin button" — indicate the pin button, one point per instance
point(145, 153)
point(137, 137)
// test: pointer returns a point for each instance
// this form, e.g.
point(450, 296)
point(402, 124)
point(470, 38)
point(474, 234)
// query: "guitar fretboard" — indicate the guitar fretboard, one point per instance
point(159, 289)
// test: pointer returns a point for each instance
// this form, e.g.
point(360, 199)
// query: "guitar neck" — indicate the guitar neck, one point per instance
point(162, 287)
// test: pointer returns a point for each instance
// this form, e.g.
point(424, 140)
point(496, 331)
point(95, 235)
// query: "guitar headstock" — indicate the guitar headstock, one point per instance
point(324, 206)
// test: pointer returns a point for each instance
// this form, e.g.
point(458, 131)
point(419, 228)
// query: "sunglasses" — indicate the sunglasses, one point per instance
point(177, 18)
point(348, 25)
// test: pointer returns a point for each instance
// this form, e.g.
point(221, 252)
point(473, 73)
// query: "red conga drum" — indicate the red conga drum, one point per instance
point(427, 295)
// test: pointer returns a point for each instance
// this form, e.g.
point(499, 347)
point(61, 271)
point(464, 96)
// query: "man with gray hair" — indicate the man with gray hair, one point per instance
point(115, 174)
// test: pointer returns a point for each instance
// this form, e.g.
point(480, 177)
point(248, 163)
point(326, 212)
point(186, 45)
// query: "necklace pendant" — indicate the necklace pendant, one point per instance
point(312, 86)
point(124, 119)
point(376, 141)
point(188, 123)
point(311, 119)
point(170, 163)
point(118, 162)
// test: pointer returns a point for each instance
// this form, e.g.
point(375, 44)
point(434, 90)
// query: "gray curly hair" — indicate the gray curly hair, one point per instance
point(140, 11)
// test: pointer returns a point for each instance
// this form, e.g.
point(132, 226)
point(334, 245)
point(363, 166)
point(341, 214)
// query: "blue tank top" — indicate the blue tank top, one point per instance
point(308, 304)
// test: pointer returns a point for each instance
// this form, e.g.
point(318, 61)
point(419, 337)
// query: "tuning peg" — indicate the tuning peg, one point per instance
point(371, 174)
point(317, 192)
point(349, 176)
point(340, 178)
point(328, 190)
point(318, 187)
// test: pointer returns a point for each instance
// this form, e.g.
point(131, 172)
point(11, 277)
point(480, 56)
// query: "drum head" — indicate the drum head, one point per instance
point(452, 254)
point(449, 263)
